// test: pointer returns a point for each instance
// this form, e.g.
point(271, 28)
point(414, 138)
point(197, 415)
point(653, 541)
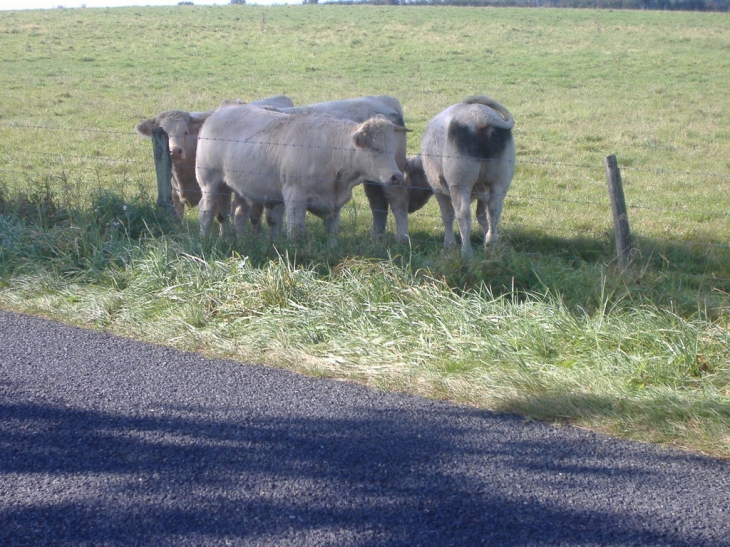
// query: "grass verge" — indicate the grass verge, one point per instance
point(622, 364)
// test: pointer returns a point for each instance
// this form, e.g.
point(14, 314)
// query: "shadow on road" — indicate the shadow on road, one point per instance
point(187, 475)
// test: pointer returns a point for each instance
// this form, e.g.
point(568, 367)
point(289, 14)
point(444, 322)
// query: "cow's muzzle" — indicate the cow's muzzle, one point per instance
point(396, 178)
point(177, 153)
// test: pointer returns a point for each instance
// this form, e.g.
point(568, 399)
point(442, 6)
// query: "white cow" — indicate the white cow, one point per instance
point(182, 129)
point(402, 199)
point(303, 161)
point(468, 153)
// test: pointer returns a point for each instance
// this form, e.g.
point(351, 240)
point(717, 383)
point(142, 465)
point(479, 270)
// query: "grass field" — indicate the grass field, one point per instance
point(543, 324)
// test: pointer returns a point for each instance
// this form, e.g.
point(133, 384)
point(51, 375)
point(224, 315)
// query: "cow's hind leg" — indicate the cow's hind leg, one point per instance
point(491, 211)
point(482, 215)
point(447, 216)
point(462, 209)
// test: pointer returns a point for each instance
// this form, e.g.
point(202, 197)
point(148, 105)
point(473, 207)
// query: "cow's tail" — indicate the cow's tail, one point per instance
point(501, 117)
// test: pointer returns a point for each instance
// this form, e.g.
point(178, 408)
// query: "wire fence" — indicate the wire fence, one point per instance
point(135, 164)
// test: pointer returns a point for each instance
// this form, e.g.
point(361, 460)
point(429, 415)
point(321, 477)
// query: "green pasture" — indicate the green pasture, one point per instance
point(543, 324)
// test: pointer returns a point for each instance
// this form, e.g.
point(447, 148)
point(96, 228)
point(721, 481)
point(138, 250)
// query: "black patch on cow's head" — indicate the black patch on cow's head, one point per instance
point(481, 142)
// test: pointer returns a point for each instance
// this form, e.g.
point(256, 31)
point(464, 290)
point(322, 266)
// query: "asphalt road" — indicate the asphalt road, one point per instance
point(107, 441)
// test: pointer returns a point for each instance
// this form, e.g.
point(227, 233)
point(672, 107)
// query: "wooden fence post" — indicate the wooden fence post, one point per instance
point(620, 216)
point(163, 167)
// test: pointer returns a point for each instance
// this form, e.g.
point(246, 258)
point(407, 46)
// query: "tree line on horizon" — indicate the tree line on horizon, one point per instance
point(669, 5)
point(674, 5)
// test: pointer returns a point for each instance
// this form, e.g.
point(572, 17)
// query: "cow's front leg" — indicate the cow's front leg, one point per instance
point(224, 209)
point(398, 198)
point(401, 224)
point(244, 211)
point(332, 227)
point(296, 214)
point(275, 219)
point(375, 193)
point(207, 210)
point(178, 203)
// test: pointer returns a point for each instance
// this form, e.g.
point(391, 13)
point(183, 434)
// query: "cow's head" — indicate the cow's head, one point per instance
point(384, 140)
point(182, 130)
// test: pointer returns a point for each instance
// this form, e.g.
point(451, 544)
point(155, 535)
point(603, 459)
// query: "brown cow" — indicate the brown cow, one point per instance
point(182, 129)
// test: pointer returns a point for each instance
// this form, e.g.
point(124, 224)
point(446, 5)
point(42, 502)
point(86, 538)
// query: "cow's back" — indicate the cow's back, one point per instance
point(229, 140)
point(356, 109)
point(434, 145)
point(470, 133)
point(277, 101)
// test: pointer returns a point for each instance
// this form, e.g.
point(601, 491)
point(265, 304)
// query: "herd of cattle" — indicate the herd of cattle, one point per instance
point(271, 159)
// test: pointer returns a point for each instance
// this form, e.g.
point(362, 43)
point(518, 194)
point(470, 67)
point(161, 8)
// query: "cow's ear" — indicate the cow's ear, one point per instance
point(146, 127)
point(362, 138)
point(195, 124)
point(196, 120)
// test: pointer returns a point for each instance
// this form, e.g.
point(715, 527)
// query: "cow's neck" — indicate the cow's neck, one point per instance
point(343, 185)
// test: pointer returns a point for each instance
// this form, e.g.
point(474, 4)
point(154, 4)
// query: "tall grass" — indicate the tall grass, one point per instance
point(542, 324)
point(625, 365)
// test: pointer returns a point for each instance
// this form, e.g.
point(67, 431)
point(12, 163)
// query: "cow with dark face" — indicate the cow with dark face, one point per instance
point(467, 154)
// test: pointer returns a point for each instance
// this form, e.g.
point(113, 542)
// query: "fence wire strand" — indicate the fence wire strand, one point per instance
point(624, 168)
point(55, 159)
